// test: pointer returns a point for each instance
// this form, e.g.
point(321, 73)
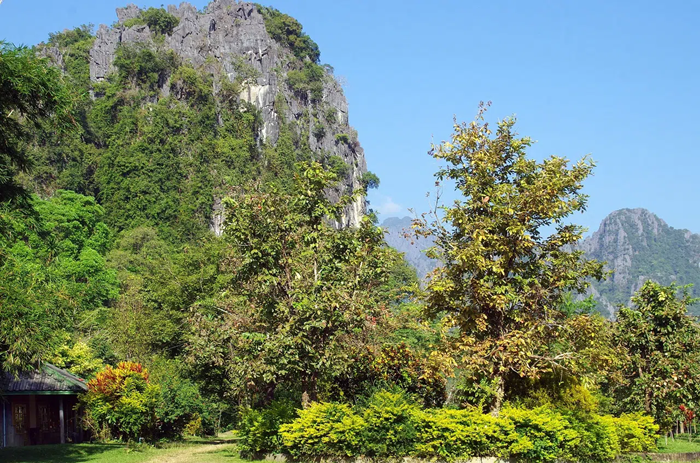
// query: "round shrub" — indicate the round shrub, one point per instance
point(259, 429)
point(325, 430)
point(543, 434)
point(598, 439)
point(636, 432)
point(460, 434)
point(390, 424)
point(121, 403)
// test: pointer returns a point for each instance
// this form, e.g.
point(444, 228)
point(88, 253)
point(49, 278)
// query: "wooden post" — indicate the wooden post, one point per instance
point(61, 420)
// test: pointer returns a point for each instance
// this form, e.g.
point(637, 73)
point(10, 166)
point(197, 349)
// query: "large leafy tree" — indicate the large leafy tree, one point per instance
point(660, 354)
point(507, 252)
point(32, 95)
point(304, 297)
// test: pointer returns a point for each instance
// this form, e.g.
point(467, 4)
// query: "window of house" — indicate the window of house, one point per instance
point(19, 418)
point(45, 417)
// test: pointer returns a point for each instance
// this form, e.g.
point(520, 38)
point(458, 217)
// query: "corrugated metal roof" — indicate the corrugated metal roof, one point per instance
point(48, 378)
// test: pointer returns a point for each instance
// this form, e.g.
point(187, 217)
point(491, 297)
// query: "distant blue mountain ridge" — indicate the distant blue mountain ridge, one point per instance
point(636, 244)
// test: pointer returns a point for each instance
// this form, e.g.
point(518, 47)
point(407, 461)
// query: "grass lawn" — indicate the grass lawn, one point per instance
point(680, 445)
point(213, 450)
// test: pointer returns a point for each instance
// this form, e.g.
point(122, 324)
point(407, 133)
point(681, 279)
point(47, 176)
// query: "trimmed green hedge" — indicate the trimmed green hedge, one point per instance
point(325, 429)
point(391, 425)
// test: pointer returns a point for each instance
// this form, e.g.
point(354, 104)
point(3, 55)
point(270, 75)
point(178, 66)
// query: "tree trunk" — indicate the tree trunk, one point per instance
point(647, 392)
point(310, 387)
point(269, 394)
point(497, 401)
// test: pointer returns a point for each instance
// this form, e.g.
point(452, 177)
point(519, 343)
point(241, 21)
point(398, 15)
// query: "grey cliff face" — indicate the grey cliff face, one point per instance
point(229, 33)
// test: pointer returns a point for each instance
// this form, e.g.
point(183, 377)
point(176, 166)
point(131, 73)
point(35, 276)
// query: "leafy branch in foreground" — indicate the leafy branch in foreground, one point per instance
point(31, 92)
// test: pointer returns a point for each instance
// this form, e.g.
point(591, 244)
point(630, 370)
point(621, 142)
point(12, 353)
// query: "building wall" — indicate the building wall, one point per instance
point(42, 420)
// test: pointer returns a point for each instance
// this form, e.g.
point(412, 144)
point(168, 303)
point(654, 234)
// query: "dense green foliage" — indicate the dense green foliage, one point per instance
point(157, 19)
point(32, 94)
point(127, 402)
point(307, 81)
point(288, 31)
point(660, 347)
point(181, 407)
point(121, 402)
point(395, 365)
point(259, 428)
point(77, 43)
point(152, 160)
point(304, 298)
point(54, 277)
point(159, 283)
point(329, 429)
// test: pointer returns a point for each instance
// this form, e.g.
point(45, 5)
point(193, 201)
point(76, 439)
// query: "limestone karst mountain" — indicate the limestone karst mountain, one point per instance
point(638, 246)
point(181, 106)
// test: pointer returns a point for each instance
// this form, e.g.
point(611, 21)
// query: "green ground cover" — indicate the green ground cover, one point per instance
point(681, 444)
point(193, 450)
point(212, 450)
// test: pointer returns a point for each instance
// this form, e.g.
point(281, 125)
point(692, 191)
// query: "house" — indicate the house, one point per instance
point(38, 407)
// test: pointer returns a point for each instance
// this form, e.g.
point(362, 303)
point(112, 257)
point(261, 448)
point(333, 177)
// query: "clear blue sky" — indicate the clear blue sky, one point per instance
point(617, 80)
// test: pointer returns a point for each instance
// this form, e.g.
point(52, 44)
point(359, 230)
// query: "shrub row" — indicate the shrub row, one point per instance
point(391, 425)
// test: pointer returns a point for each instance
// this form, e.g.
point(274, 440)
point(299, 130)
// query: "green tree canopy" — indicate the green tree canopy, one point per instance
point(660, 354)
point(31, 91)
point(53, 277)
point(304, 297)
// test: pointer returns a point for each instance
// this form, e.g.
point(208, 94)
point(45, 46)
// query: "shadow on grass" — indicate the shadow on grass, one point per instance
point(57, 453)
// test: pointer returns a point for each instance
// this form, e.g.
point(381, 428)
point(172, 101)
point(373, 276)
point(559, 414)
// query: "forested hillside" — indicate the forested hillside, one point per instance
point(117, 189)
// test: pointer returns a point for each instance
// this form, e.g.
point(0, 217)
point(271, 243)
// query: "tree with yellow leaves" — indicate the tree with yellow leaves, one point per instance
point(508, 254)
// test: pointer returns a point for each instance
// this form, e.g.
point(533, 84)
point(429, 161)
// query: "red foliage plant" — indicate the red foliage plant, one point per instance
point(110, 381)
point(688, 414)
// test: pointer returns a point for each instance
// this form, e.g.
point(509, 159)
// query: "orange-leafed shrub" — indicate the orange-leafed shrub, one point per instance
point(121, 403)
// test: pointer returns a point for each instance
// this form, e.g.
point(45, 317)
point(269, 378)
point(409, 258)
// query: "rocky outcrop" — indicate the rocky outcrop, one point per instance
point(639, 246)
point(233, 36)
